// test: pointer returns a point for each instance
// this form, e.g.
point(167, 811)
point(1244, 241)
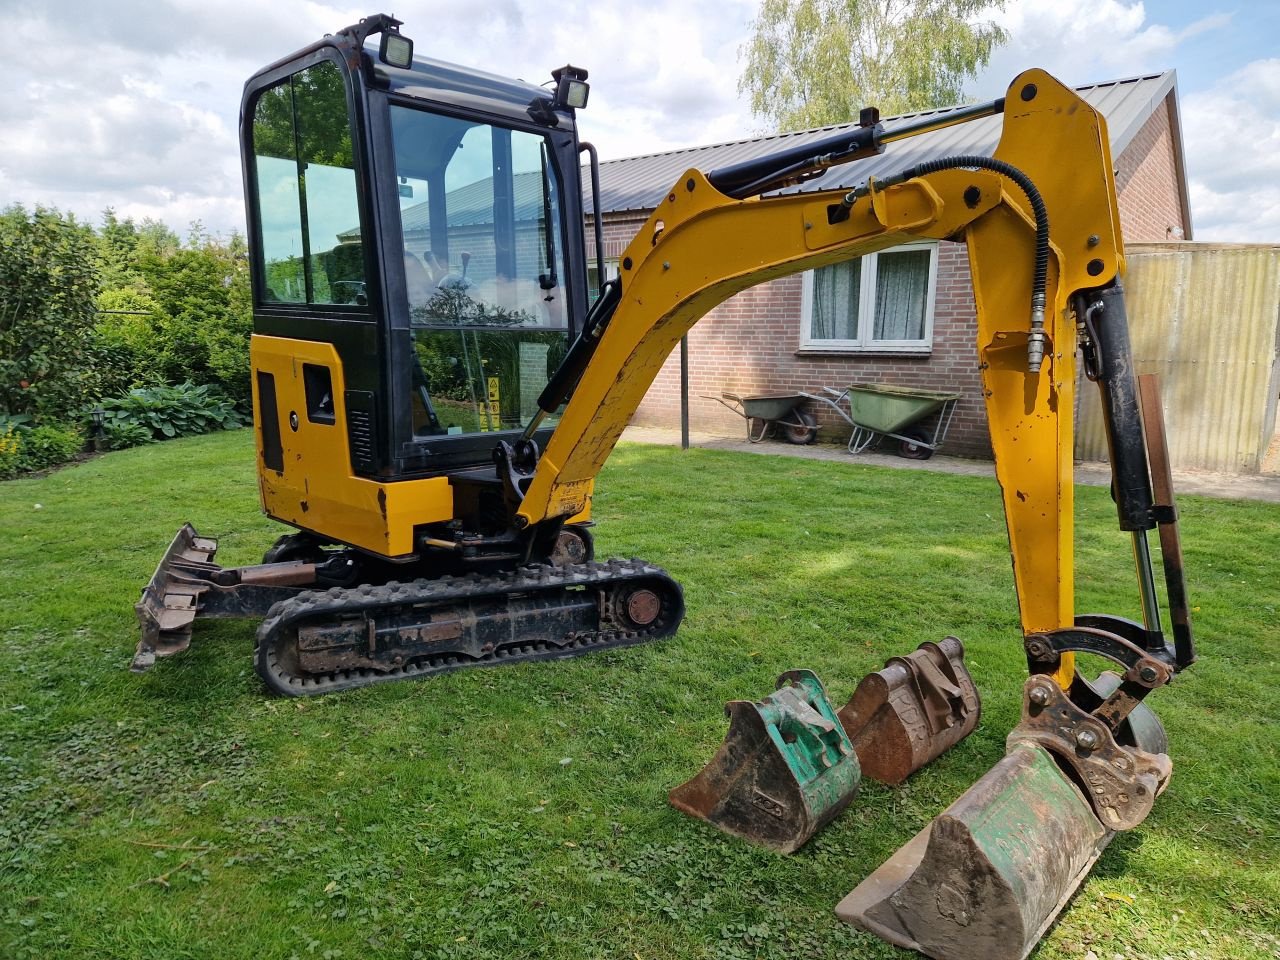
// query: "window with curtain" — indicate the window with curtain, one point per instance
point(882, 302)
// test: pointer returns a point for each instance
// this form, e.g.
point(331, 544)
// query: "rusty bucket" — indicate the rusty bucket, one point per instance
point(985, 879)
point(988, 876)
point(912, 711)
point(784, 771)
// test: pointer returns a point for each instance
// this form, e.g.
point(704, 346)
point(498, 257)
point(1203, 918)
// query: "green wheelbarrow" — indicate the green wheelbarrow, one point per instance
point(764, 415)
point(876, 410)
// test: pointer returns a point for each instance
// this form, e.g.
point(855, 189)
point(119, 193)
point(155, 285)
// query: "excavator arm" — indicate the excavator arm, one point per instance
point(700, 247)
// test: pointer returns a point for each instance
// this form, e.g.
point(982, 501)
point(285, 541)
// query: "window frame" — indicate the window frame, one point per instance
point(865, 341)
point(612, 270)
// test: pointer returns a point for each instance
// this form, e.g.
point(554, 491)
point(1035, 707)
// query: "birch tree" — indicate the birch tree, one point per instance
point(810, 63)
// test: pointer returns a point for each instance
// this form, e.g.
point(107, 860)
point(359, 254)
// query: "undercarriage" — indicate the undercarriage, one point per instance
point(318, 636)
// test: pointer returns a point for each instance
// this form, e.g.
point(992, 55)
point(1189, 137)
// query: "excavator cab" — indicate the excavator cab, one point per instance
point(411, 230)
point(419, 272)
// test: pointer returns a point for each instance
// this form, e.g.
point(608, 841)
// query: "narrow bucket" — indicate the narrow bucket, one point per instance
point(784, 771)
point(987, 877)
point(912, 711)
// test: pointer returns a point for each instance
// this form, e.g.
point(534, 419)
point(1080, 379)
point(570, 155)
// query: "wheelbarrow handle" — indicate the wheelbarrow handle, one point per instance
point(730, 400)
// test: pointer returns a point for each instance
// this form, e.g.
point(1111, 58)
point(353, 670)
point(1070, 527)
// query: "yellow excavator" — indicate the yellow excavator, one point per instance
point(436, 387)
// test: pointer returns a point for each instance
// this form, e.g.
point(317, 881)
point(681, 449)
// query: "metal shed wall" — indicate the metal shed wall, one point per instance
point(1206, 318)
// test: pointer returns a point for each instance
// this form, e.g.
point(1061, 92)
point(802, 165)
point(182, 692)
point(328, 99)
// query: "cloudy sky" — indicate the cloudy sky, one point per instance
point(133, 103)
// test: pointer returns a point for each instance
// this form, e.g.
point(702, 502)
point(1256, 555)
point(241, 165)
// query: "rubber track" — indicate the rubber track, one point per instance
point(338, 601)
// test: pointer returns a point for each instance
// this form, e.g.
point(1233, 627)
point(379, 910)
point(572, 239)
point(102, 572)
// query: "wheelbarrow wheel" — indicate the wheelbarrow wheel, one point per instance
point(803, 432)
point(915, 446)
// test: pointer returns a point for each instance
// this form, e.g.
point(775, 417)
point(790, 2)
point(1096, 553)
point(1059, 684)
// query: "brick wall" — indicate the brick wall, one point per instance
point(1147, 181)
point(750, 344)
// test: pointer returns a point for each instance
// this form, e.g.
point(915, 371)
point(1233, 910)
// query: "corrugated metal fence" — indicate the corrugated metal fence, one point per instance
point(1206, 318)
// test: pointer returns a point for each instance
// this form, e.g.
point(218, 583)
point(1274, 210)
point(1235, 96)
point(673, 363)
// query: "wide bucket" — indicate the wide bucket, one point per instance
point(912, 711)
point(785, 769)
point(988, 876)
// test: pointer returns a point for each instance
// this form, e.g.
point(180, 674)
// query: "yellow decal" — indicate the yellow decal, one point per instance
point(493, 408)
point(569, 498)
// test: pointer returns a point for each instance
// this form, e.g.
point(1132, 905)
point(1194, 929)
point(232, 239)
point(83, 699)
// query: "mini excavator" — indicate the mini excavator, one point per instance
point(435, 390)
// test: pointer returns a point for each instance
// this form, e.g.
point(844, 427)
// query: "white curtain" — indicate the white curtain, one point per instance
point(835, 301)
point(902, 288)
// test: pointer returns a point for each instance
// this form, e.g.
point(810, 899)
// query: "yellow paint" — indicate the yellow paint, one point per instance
point(333, 502)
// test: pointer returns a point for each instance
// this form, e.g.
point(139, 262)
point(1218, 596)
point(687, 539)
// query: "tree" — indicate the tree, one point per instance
point(810, 63)
point(172, 312)
point(48, 281)
point(202, 316)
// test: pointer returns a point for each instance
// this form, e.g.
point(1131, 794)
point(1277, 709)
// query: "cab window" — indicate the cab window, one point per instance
point(483, 253)
point(309, 241)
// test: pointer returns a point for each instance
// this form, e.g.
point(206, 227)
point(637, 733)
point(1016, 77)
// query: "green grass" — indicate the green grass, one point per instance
point(184, 813)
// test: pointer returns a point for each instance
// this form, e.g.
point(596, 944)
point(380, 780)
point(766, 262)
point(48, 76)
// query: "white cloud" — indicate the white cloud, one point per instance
point(1232, 137)
point(140, 110)
point(1231, 132)
point(1082, 41)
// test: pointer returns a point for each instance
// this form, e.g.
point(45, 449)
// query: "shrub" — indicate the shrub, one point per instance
point(202, 319)
point(10, 451)
point(125, 434)
point(25, 447)
point(124, 341)
point(167, 412)
point(47, 446)
point(172, 313)
point(48, 280)
point(16, 422)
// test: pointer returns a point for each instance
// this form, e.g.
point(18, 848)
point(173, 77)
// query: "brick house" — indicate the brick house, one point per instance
point(803, 332)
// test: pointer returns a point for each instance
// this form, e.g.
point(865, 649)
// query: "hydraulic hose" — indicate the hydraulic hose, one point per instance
point(1037, 339)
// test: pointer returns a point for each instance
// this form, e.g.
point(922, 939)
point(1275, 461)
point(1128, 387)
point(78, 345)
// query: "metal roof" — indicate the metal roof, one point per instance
point(472, 205)
point(640, 183)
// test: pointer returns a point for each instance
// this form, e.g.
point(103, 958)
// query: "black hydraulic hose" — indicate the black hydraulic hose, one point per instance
point(1039, 280)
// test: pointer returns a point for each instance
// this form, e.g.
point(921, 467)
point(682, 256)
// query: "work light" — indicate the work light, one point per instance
point(396, 50)
point(571, 87)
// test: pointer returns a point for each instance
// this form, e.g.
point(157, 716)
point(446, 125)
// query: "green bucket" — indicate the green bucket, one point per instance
point(785, 769)
point(987, 877)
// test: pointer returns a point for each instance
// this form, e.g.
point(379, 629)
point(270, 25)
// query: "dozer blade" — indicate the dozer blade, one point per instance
point(188, 585)
point(784, 771)
point(171, 600)
point(912, 711)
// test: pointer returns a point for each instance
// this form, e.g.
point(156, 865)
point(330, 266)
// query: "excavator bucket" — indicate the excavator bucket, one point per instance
point(912, 711)
point(988, 876)
point(985, 879)
point(785, 769)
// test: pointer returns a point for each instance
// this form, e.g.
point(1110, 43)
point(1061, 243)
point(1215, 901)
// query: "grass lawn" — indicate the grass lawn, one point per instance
point(521, 811)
